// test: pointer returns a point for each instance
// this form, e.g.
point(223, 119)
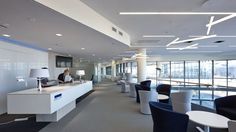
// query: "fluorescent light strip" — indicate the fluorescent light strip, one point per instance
point(158, 36)
point(209, 28)
point(221, 20)
point(187, 47)
point(193, 39)
point(177, 13)
point(196, 51)
point(181, 48)
point(218, 36)
point(208, 46)
point(191, 47)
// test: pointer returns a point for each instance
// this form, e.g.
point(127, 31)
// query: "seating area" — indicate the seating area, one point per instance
point(171, 63)
point(171, 111)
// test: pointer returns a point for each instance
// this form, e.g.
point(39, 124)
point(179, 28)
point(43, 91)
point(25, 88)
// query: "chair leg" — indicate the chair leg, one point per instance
point(200, 129)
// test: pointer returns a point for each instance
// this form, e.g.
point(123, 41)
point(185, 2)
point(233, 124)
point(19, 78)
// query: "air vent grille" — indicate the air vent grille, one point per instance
point(121, 34)
point(114, 29)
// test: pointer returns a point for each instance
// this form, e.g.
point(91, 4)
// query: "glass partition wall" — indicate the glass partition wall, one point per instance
point(208, 79)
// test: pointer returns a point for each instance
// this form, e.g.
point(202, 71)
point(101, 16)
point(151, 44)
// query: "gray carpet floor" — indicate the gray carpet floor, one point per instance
point(108, 110)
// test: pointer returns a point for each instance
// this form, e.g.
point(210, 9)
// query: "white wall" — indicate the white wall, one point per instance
point(16, 61)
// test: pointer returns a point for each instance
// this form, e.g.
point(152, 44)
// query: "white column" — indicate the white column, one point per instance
point(141, 61)
point(99, 72)
point(113, 70)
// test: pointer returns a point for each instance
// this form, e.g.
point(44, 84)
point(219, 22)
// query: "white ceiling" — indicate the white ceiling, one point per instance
point(179, 25)
point(29, 22)
point(35, 24)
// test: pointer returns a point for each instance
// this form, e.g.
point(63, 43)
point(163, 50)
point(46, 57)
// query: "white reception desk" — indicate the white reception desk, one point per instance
point(49, 105)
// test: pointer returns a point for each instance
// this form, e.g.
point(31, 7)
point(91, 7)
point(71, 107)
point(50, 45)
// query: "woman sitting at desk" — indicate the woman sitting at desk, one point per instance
point(65, 77)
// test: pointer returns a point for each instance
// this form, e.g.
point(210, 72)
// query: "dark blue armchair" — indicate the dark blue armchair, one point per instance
point(164, 89)
point(146, 83)
point(166, 120)
point(140, 87)
point(226, 106)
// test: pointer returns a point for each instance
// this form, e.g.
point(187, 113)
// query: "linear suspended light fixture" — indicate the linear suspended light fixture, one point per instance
point(221, 20)
point(177, 13)
point(218, 36)
point(193, 46)
point(186, 40)
point(190, 51)
point(209, 27)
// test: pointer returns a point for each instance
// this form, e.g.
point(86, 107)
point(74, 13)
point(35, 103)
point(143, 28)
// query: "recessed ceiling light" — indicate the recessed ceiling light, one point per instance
point(188, 42)
point(93, 54)
point(59, 35)
point(83, 48)
point(177, 13)
point(49, 48)
point(158, 36)
point(6, 35)
point(219, 41)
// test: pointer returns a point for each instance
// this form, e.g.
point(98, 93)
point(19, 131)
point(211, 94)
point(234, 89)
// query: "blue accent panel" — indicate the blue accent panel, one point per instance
point(20, 43)
point(57, 96)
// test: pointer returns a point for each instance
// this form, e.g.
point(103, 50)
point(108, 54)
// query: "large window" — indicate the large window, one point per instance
point(134, 69)
point(117, 69)
point(192, 76)
point(165, 72)
point(108, 70)
point(124, 65)
point(151, 72)
point(206, 79)
point(128, 67)
point(205, 73)
point(220, 77)
point(177, 73)
point(231, 76)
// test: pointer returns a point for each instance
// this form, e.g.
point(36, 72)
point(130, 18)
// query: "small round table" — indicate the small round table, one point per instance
point(162, 97)
point(208, 119)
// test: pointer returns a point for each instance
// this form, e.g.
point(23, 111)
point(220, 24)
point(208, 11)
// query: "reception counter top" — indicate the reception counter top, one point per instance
point(50, 104)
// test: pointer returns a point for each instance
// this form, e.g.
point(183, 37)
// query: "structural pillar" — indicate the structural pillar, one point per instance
point(99, 72)
point(113, 70)
point(142, 63)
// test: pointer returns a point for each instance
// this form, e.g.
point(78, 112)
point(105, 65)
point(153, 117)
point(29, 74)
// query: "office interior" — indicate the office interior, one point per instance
point(110, 47)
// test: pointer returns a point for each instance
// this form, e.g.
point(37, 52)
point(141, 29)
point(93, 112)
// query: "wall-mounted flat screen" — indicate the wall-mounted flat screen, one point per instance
point(62, 61)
